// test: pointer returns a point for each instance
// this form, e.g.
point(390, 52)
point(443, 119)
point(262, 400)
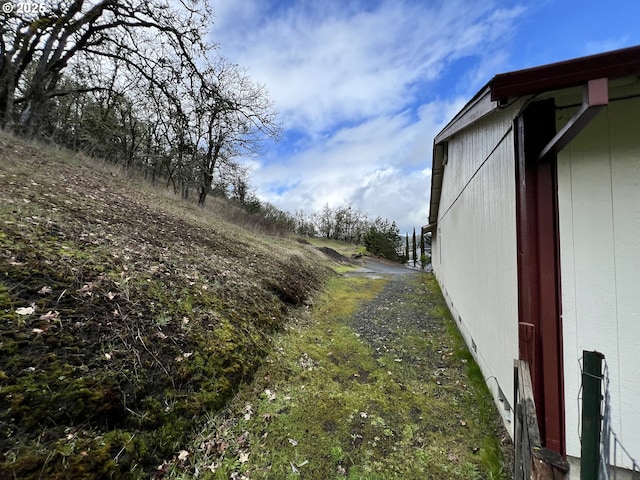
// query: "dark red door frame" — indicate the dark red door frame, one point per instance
point(539, 306)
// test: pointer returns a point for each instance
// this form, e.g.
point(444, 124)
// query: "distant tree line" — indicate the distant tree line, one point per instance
point(137, 83)
point(134, 82)
point(344, 223)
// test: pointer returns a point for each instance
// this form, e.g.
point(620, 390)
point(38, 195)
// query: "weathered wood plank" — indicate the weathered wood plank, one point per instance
point(533, 461)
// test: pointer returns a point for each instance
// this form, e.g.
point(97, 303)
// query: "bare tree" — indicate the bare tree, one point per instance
point(325, 221)
point(232, 116)
point(36, 49)
point(141, 86)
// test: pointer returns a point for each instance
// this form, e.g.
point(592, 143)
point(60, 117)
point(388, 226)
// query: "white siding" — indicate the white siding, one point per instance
point(599, 216)
point(474, 250)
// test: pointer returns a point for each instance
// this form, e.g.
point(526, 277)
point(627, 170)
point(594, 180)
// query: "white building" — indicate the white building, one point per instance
point(535, 221)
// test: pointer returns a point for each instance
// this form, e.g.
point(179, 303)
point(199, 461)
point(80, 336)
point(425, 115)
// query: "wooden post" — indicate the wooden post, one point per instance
point(533, 462)
point(517, 424)
point(548, 465)
point(591, 415)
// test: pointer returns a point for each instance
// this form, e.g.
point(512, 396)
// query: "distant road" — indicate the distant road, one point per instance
point(373, 266)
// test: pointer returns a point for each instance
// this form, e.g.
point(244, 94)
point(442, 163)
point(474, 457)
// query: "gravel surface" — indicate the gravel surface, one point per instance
point(401, 310)
point(399, 322)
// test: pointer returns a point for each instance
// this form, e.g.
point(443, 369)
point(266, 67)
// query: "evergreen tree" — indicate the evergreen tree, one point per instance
point(406, 250)
point(415, 247)
point(383, 239)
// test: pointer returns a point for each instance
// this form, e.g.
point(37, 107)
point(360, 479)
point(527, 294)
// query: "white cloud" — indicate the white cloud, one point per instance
point(381, 166)
point(355, 80)
point(323, 60)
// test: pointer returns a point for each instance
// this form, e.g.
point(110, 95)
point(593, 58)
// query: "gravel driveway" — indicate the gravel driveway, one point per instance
point(406, 321)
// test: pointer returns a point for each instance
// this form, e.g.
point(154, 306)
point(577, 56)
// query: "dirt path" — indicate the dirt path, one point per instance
point(404, 307)
point(375, 384)
point(397, 313)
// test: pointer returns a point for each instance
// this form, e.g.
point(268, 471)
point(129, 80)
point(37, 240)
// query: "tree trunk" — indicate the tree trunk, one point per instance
point(205, 186)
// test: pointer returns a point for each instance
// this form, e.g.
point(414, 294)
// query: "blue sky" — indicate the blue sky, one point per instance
point(363, 86)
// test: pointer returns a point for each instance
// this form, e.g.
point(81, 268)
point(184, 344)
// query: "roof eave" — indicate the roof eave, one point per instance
point(479, 106)
point(521, 83)
point(555, 76)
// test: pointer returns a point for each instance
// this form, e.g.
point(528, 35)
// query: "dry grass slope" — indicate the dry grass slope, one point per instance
point(126, 315)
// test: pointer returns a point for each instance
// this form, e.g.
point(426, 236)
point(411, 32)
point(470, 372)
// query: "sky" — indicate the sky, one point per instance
point(363, 86)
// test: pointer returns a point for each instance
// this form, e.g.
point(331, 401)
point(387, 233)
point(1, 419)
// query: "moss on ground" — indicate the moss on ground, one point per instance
point(144, 337)
point(124, 316)
point(371, 384)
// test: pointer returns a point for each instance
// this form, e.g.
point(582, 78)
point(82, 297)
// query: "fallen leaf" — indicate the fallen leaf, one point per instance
point(293, 442)
point(183, 455)
point(25, 310)
point(463, 423)
point(111, 295)
point(49, 316)
point(270, 395)
point(161, 471)
point(243, 457)
point(248, 411)
point(44, 290)
point(37, 330)
point(243, 439)
point(222, 446)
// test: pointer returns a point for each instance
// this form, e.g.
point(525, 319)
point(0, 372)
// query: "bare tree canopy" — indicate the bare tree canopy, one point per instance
point(133, 81)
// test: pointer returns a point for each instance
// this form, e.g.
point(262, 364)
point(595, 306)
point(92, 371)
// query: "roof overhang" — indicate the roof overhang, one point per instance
point(479, 106)
point(532, 81)
point(437, 175)
point(570, 73)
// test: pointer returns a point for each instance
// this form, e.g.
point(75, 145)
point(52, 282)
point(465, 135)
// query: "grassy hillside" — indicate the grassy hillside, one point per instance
point(126, 315)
